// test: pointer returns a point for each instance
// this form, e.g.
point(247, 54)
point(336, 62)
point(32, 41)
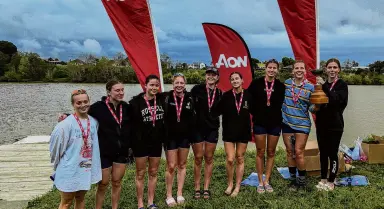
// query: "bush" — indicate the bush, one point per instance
point(59, 73)
point(12, 76)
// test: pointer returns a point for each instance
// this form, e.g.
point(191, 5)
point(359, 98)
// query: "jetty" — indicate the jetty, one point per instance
point(25, 169)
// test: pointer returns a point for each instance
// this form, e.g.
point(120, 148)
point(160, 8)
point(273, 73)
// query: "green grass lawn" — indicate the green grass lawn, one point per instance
point(371, 196)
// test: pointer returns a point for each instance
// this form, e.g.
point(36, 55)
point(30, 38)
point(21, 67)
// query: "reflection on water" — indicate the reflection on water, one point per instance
point(32, 109)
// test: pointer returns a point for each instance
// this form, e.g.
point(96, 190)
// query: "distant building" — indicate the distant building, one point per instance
point(359, 68)
point(77, 62)
point(202, 65)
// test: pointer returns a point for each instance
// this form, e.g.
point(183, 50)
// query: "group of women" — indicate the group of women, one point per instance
point(178, 119)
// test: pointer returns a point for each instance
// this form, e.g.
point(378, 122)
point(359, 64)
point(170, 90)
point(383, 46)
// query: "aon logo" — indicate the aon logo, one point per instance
point(232, 62)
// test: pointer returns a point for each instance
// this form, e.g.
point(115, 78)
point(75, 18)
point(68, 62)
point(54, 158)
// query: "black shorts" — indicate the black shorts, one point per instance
point(107, 162)
point(244, 139)
point(211, 136)
point(260, 130)
point(177, 143)
point(147, 149)
point(286, 129)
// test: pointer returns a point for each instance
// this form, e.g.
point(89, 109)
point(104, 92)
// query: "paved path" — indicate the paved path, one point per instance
point(25, 169)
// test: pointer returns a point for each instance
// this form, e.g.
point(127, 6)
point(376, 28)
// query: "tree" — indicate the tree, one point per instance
point(185, 65)
point(254, 62)
point(120, 59)
point(8, 48)
point(287, 61)
point(3, 62)
point(165, 60)
point(354, 63)
point(322, 64)
point(377, 66)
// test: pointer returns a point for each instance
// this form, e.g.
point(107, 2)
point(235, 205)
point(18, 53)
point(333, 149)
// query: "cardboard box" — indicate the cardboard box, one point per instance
point(312, 159)
point(374, 152)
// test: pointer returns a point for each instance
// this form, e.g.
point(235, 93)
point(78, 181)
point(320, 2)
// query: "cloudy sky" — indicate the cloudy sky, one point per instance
point(351, 29)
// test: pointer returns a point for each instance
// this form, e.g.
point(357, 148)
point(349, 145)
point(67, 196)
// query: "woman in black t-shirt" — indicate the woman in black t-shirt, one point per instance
point(235, 109)
point(180, 123)
point(147, 115)
point(268, 96)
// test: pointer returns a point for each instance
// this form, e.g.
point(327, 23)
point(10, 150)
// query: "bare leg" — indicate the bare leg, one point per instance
point(230, 158)
point(271, 149)
point(208, 157)
point(301, 141)
point(170, 170)
point(152, 178)
point(80, 200)
point(118, 171)
point(102, 187)
point(240, 151)
point(260, 147)
point(289, 149)
point(198, 151)
point(66, 199)
point(141, 165)
point(182, 170)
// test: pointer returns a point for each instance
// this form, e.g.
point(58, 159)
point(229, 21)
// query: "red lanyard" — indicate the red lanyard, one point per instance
point(211, 100)
point(153, 112)
point(269, 90)
point(113, 113)
point(295, 97)
point(86, 150)
point(238, 105)
point(333, 83)
point(179, 107)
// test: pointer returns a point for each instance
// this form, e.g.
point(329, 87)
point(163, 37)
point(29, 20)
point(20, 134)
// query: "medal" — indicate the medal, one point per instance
point(333, 83)
point(238, 105)
point(179, 107)
point(269, 90)
point(211, 100)
point(295, 97)
point(86, 151)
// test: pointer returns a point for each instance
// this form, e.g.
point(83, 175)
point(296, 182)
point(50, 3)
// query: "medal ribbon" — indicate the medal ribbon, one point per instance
point(153, 112)
point(333, 83)
point(238, 105)
point(295, 97)
point(179, 107)
point(269, 90)
point(113, 113)
point(211, 100)
point(86, 151)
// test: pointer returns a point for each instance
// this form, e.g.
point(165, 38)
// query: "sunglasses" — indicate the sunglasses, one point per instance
point(78, 91)
point(178, 74)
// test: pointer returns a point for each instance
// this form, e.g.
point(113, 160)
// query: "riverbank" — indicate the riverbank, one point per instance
point(343, 197)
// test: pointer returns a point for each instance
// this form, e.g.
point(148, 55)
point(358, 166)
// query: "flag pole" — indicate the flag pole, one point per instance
point(157, 49)
point(317, 35)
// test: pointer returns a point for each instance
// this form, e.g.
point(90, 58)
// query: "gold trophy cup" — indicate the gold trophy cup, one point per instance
point(318, 96)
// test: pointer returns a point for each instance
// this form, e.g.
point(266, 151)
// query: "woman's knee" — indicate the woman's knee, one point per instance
point(171, 167)
point(80, 197)
point(140, 174)
point(116, 183)
point(240, 159)
point(198, 160)
point(260, 152)
point(152, 172)
point(208, 159)
point(230, 161)
point(271, 153)
point(103, 184)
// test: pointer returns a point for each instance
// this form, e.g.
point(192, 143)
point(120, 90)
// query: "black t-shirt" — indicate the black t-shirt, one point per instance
point(236, 125)
point(186, 126)
point(205, 119)
point(263, 115)
point(142, 125)
point(330, 116)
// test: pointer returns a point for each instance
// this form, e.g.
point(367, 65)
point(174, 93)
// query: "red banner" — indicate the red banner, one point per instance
point(300, 22)
point(133, 25)
point(229, 54)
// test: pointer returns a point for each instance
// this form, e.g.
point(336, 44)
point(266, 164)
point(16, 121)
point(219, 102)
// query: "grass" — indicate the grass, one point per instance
point(371, 196)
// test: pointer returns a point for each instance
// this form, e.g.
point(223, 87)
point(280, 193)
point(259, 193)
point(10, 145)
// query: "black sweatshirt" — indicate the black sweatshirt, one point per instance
point(263, 115)
point(235, 125)
point(330, 116)
point(205, 119)
point(113, 140)
point(142, 126)
point(186, 126)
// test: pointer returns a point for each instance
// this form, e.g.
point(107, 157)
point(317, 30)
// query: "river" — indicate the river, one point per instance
point(32, 109)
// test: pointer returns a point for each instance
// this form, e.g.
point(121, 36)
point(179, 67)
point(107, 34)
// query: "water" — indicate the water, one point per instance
point(32, 109)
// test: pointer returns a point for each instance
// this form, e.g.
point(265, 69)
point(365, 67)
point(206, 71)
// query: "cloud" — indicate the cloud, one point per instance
point(67, 28)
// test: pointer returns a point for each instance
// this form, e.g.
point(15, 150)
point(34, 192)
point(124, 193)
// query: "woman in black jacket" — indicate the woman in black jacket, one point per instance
point(112, 114)
point(235, 109)
point(206, 97)
point(180, 123)
point(147, 115)
point(330, 123)
point(267, 96)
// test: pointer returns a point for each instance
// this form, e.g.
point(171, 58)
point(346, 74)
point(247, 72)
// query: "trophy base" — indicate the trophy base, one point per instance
point(319, 100)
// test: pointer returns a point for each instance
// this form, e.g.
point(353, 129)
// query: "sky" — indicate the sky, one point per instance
point(349, 29)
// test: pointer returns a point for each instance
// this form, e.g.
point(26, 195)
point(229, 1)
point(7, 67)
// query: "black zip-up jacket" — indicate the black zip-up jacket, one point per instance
point(205, 119)
point(263, 115)
point(236, 126)
point(187, 125)
point(330, 116)
point(113, 140)
point(142, 126)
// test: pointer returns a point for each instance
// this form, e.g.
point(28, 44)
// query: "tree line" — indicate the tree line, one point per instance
point(18, 66)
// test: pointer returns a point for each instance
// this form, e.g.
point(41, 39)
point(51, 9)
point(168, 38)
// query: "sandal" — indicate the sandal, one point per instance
point(260, 189)
point(268, 188)
point(206, 194)
point(153, 206)
point(321, 186)
point(171, 202)
point(197, 194)
point(180, 200)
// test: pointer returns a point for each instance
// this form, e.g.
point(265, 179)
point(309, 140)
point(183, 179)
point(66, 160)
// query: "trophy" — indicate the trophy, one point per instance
point(318, 96)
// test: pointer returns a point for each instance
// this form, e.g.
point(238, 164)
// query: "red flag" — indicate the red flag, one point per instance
point(229, 54)
point(133, 25)
point(301, 24)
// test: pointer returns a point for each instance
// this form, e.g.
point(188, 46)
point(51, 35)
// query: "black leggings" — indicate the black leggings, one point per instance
point(329, 142)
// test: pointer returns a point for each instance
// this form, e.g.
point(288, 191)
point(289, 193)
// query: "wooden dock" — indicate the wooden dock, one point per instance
point(25, 169)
